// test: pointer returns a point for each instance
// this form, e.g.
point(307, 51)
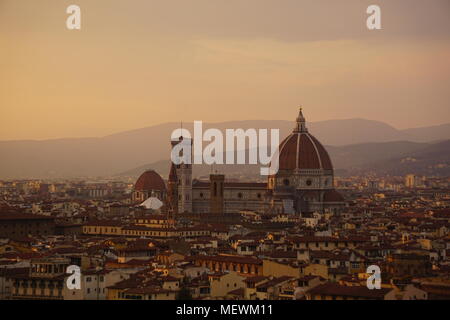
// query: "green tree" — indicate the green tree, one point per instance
point(184, 294)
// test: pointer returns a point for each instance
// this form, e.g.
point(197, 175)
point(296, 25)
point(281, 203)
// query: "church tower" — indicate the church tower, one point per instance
point(183, 173)
point(216, 194)
point(172, 191)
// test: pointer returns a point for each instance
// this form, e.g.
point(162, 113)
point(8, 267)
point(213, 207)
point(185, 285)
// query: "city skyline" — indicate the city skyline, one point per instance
point(260, 153)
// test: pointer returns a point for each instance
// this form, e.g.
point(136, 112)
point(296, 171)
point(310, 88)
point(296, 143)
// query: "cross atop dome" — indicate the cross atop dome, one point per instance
point(301, 122)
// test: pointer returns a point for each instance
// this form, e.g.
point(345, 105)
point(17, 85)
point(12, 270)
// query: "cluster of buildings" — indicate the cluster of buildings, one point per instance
point(301, 235)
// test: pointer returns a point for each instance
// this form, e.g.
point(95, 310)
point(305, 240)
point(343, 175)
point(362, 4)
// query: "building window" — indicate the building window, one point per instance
point(308, 182)
point(286, 182)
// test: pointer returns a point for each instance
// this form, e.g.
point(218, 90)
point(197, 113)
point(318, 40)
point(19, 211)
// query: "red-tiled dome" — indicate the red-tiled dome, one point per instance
point(301, 150)
point(150, 180)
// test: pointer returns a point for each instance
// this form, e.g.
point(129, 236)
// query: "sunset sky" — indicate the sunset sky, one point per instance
point(137, 63)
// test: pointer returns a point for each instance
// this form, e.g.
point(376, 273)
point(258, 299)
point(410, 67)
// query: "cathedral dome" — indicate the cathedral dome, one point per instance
point(301, 150)
point(150, 180)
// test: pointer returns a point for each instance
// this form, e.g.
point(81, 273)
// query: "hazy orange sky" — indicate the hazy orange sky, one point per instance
point(137, 63)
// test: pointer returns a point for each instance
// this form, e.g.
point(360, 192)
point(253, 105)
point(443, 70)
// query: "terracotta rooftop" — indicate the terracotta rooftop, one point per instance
point(334, 289)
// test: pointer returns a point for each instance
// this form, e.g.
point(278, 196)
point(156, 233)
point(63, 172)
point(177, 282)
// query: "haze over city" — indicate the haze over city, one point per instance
point(136, 63)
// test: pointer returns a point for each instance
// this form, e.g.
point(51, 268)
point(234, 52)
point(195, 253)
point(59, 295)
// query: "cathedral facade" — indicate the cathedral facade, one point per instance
point(303, 183)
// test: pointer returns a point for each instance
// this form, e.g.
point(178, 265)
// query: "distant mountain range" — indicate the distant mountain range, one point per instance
point(433, 159)
point(393, 158)
point(352, 143)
